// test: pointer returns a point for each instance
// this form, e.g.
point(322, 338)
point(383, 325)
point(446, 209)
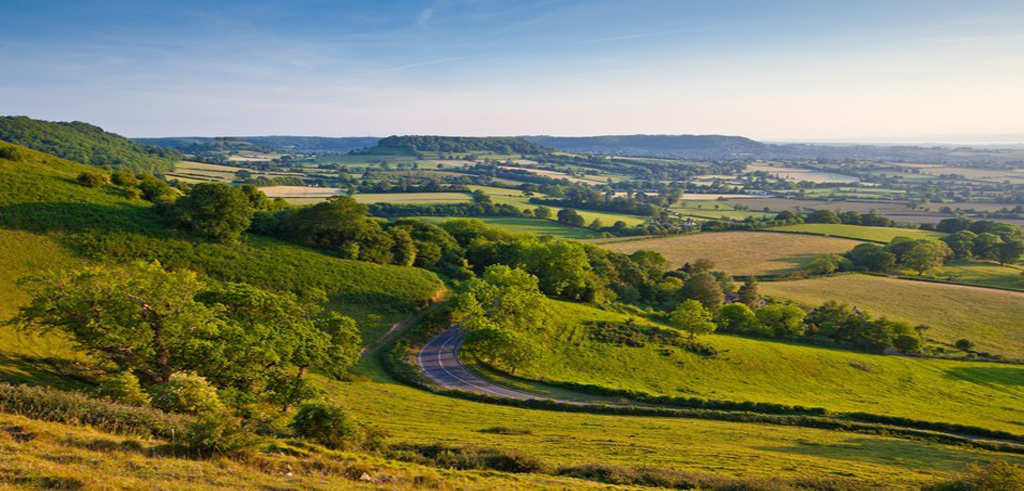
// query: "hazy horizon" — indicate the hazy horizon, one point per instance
point(788, 71)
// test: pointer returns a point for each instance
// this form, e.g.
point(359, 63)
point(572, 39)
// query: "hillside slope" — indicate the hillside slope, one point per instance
point(85, 143)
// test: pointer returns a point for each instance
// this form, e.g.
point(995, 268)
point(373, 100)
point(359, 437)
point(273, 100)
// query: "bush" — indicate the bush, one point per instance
point(996, 476)
point(124, 388)
point(186, 393)
point(328, 424)
point(91, 179)
point(75, 408)
point(219, 432)
point(464, 458)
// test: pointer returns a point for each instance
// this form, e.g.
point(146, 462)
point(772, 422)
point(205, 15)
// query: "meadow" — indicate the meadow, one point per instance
point(860, 232)
point(990, 318)
point(798, 174)
point(982, 274)
point(982, 394)
point(526, 225)
point(740, 253)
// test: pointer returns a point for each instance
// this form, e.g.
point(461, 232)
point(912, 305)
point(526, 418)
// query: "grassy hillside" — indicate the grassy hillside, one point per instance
point(740, 253)
point(38, 194)
point(859, 232)
point(982, 394)
point(729, 449)
point(85, 143)
point(990, 318)
point(526, 225)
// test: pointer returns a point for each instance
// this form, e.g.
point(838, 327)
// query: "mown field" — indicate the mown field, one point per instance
point(740, 253)
point(860, 232)
point(981, 394)
point(982, 274)
point(990, 318)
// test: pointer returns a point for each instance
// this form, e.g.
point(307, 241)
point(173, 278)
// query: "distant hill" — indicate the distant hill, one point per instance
point(283, 144)
point(738, 147)
point(85, 143)
point(692, 146)
point(462, 144)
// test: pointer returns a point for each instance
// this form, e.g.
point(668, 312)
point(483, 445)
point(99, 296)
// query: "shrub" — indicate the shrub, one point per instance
point(75, 408)
point(91, 179)
point(328, 424)
point(464, 458)
point(124, 178)
point(964, 344)
point(996, 476)
point(219, 432)
point(124, 388)
point(186, 393)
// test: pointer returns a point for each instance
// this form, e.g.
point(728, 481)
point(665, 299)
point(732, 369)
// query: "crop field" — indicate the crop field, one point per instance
point(412, 198)
point(982, 394)
point(860, 232)
point(998, 176)
point(740, 253)
point(990, 318)
point(525, 225)
point(798, 174)
point(860, 206)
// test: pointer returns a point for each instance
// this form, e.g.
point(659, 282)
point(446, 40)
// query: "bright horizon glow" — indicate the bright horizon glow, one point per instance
point(784, 70)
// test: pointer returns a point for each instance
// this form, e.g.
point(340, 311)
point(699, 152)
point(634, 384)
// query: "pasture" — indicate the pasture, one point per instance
point(990, 318)
point(860, 232)
point(525, 225)
point(740, 253)
point(799, 174)
point(974, 393)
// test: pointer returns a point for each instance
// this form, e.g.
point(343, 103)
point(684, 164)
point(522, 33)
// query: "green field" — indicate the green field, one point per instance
point(860, 232)
point(412, 198)
point(526, 225)
point(799, 174)
point(516, 198)
point(983, 274)
point(982, 394)
point(990, 318)
point(740, 253)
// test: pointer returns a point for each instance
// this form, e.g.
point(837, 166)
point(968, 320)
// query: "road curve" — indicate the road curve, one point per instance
point(439, 360)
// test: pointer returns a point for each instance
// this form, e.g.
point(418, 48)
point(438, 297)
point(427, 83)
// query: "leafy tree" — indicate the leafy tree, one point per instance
point(505, 298)
point(823, 216)
point(505, 347)
point(91, 179)
point(1010, 252)
point(569, 216)
point(328, 424)
point(257, 199)
point(748, 292)
point(872, 257)
point(124, 178)
point(953, 225)
point(823, 264)
point(964, 344)
point(124, 387)
point(542, 212)
point(704, 288)
point(692, 317)
point(187, 393)
point(782, 319)
point(561, 267)
point(215, 210)
point(961, 243)
point(155, 323)
point(737, 317)
point(156, 190)
point(986, 245)
point(926, 255)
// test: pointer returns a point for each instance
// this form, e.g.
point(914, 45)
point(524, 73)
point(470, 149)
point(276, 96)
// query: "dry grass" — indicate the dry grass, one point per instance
point(993, 319)
point(740, 253)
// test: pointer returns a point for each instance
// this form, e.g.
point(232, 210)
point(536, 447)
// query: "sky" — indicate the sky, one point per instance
point(825, 70)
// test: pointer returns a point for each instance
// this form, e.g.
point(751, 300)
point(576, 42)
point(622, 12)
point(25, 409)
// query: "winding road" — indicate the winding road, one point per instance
point(439, 359)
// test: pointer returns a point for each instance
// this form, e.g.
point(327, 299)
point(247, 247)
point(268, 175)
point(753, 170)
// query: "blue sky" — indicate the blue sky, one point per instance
point(770, 70)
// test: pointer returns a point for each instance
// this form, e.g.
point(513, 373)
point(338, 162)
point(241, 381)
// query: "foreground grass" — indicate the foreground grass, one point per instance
point(990, 318)
point(38, 455)
point(860, 232)
point(740, 253)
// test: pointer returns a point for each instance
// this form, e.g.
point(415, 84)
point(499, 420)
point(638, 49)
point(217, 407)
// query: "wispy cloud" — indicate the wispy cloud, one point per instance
point(644, 35)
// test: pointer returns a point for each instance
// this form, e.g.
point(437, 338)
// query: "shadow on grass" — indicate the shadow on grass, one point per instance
point(1007, 376)
point(909, 454)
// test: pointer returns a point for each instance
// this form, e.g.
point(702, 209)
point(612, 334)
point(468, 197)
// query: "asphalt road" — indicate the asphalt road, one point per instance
point(439, 359)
